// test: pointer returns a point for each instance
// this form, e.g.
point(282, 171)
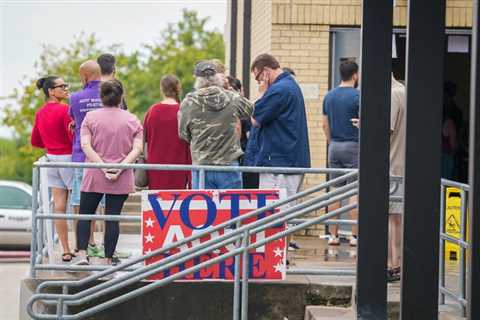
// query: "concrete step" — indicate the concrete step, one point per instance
point(337, 313)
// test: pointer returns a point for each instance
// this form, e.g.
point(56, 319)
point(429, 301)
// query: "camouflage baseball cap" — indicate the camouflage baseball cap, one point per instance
point(218, 65)
point(205, 68)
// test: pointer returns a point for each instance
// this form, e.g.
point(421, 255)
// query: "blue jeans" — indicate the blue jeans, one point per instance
point(219, 179)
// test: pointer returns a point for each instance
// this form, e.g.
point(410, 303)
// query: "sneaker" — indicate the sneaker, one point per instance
point(393, 275)
point(82, 261)
point(115, 260)
point(353, 241)
point(292, 245)
point(93, 250)
point(122, 255)
point(333, 240)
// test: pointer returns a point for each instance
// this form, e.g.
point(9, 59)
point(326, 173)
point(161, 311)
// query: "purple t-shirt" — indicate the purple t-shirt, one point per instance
point(82, 102)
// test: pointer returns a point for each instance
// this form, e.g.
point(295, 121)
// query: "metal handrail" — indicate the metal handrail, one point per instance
point(221, 226)
point(121, 280)
point(203, 234)
point(182, 167)
point(462, 243)
point(243, 232)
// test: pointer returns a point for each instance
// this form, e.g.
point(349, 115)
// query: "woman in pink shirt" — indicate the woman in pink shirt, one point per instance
point(108, 135)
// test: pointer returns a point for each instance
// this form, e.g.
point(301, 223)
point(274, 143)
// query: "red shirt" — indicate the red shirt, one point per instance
point(50, 130)
point(165, 147)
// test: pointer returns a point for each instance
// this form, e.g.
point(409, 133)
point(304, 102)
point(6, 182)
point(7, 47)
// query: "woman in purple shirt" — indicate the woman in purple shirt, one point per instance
point(108, 135)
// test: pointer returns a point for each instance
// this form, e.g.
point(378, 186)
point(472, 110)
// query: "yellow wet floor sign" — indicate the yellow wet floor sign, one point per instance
point(453, 222)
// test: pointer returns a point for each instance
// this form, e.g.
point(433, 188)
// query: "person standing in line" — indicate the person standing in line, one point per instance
point(81, 103)
point(340, 106)
point(99, 129)
point(208, 120)
point(280, 138)
point(162, 141)
point(250, 179)
point(397, 168)
point(51, 131)
point(108, 67)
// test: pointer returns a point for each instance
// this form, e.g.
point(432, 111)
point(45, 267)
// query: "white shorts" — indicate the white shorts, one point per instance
point(290, 182)
point(60, 177)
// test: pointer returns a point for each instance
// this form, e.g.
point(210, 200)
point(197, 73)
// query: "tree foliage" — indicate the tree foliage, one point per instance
point(180, 46)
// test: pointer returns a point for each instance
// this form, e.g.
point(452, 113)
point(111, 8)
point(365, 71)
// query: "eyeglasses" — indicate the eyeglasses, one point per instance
point(63, 86)
point(258, 75)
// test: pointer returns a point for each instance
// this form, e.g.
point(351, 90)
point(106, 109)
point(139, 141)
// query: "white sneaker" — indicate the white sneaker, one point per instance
point(81, 261)
point(353, 241)
point(333, 241)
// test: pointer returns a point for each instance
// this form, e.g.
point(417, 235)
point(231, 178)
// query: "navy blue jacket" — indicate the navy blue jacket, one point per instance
point(282, 138)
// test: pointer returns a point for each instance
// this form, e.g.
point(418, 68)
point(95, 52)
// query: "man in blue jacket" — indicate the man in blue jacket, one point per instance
point(281, 125)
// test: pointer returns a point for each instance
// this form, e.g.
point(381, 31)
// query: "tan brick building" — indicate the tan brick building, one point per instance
point(313, 36)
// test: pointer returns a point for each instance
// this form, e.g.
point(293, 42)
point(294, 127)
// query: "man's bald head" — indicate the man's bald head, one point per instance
point(90, 71)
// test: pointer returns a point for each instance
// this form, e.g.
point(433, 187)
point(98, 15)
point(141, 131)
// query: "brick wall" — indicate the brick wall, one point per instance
point(349, 12)
point(261, 35)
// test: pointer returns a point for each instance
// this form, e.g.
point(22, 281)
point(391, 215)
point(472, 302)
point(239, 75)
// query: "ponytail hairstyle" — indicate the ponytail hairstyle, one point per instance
point(170, 86)
point(111, 93)
point(46, 83)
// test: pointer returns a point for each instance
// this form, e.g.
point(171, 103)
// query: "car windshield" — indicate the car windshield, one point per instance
point(14, 198)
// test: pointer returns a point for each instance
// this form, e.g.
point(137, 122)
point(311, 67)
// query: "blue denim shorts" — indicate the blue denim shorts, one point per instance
point(76, 186)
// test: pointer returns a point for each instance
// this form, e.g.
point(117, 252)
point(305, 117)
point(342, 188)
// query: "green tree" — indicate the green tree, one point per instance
point(181, 45)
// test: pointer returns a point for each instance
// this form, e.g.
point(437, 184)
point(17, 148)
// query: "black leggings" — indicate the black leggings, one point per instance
point(113, 206)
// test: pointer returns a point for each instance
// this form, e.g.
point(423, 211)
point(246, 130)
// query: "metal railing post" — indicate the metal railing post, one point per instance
point(33, 243)
point(65, 306)
point(463, 227)
point(245, 274)
point(236, 285)
point(442, 243)
point(201, 179)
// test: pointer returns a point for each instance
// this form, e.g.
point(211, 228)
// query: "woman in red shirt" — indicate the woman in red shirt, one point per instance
point(161, 136)
point(51, 132)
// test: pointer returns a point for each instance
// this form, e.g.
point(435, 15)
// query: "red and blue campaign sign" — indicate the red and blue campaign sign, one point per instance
point(169, 216)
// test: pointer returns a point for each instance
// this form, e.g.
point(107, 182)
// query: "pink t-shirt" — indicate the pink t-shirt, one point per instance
point(113, 131)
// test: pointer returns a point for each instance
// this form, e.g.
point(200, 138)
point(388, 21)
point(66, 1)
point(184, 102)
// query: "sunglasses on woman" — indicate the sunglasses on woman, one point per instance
point(63, 86)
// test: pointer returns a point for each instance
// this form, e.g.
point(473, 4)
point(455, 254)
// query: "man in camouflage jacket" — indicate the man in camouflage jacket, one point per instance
point(207, 120)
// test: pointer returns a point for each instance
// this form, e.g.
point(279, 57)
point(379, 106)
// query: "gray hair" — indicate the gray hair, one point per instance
point(209, 81)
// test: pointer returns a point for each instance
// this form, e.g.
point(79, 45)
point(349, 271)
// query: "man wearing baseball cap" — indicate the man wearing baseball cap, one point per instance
point(207, 120)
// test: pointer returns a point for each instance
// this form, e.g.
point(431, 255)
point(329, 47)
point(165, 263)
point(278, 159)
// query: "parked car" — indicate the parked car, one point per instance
point(15, 213)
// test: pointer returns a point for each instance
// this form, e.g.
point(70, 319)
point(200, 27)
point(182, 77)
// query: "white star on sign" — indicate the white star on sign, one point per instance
point(278, 252)
point(278, 267)
point(149, 222)
point(149, 238)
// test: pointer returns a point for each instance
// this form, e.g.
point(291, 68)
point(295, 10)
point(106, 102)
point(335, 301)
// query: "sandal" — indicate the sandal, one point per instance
point(393, 274)
point(67, 256)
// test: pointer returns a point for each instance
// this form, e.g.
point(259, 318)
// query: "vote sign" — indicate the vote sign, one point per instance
point(171, 215)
